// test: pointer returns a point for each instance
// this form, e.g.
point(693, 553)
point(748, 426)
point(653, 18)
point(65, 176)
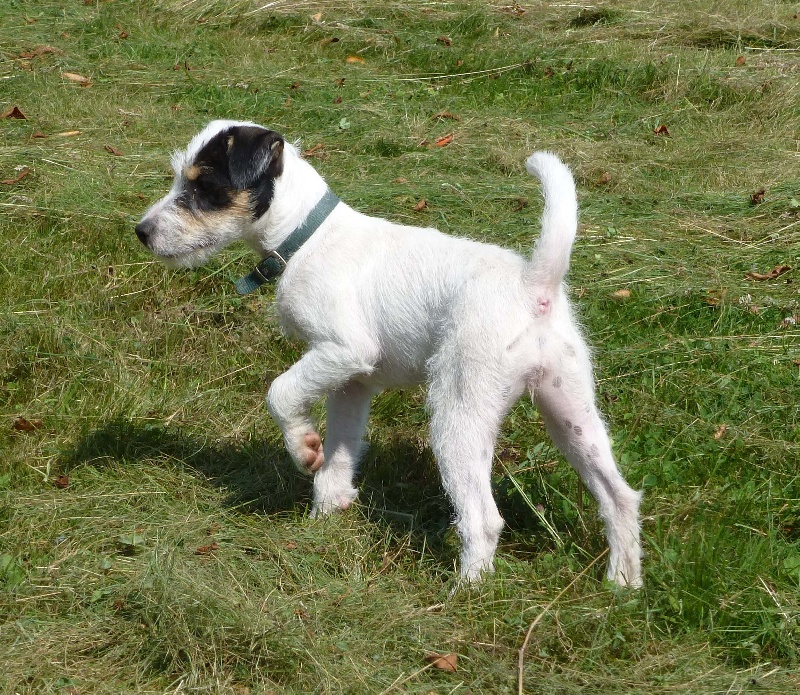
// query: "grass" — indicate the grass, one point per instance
point(176, 554)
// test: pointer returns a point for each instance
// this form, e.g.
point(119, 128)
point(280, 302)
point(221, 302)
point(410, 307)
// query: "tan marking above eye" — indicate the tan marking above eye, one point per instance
point(192, 172)
point(230, 142)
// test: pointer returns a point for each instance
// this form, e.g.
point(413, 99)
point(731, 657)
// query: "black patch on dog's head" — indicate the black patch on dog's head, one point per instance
point(241, 158)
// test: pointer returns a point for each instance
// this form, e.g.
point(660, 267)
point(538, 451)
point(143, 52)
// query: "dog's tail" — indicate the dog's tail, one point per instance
point(559, 220)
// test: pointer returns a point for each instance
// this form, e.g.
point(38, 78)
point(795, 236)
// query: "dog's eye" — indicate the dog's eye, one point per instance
point(207, 194)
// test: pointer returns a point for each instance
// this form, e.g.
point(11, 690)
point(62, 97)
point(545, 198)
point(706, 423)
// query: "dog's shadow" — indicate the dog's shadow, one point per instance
point(399, 483)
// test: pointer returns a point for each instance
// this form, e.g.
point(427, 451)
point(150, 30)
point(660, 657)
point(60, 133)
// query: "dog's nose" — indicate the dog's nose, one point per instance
point(143, 230)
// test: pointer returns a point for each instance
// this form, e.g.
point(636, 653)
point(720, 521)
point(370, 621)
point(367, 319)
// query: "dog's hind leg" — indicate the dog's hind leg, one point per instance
point(564, 394)
point(347, 411)
point(466, 411)
point(322, 369)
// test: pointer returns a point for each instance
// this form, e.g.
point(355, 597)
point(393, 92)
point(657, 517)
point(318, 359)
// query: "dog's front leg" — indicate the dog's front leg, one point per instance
point(346, 419)
point(324, 368)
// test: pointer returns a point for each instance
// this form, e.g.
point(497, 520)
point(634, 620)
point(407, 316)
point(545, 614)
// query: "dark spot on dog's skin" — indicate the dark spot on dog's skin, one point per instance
point(568, 423)
point(578, 431)
point(241, 158)
point(557, 382)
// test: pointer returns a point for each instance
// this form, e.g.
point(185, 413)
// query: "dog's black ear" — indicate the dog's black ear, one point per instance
point(254, 154)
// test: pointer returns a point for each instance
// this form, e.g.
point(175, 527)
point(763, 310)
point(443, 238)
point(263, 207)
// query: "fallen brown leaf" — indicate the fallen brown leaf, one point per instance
point(113, 150)
point(14, 112)
point(315, 151)
point(758, 197)
point(721, 430)
point(316, 17)
point(662, 130)
point(548, 72)
point(442, 115)
point(206, 549)
point(621, 294)
point(78, 79)
point(337, 100)
point(520, 204)
point(444, 40)
point(39, 51)
point(777, 271)
point(124, 34)
point(22, 424)
point(354, 59)
point(22, 174)
point(296, 85)
point(331, 39)
point(339, 82)
point(741, 60)
point(444, 140)
point(445, 662)
point(420, 205)
point(61, 482)
point(605, 179)
point(400, 179)
point(68, 134)
point(38, 134)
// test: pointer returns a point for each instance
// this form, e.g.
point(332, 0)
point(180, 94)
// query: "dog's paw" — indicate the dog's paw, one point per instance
point(306, 451)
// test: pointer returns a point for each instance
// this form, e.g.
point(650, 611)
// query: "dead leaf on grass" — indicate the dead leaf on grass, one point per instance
point(22, 424)
point(662, 130)
point(316, 17)
point(40, 51)
point(777, 271)
point(207, 549)
point(621, 294)
point(741, 60)
point(442, 115)
point(78, 79)
point(400, 179)
point(21, 175)
point(113, 150)
point(758, 197)
point(444, 662)
point(354, 59)
point(67, 134)
point(14, 112)
point(605, 179)
point(520, 204)
point(720, 432)
point(420, 205)
point(61, 482)
point(38, 134)
point(330, 39)
point(444, 40)
point(316, 151)
point(444, 140)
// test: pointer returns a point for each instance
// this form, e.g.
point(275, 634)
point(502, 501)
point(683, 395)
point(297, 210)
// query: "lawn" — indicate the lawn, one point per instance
point(154, 536)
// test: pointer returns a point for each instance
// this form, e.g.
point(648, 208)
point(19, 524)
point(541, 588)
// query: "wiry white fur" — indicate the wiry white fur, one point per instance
point(382, 305)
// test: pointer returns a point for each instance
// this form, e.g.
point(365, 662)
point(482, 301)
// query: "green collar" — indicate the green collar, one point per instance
point(275, 260)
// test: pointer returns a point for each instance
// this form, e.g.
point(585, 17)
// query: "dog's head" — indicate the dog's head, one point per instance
point(224, 181)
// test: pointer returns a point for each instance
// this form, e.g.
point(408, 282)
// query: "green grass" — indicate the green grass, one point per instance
point(149, 383)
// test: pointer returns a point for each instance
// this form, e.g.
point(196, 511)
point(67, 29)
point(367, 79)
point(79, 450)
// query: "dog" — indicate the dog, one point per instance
point(380, 305)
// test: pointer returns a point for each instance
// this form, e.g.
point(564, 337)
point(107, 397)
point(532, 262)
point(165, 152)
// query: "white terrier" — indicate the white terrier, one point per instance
point(381, 304)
